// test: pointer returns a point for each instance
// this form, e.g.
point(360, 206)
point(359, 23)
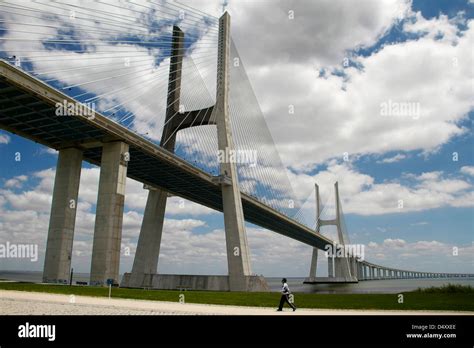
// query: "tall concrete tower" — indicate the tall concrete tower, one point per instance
point(338, 267)
point(149, 241)
point(238, 257)
point(314, 257)
point(144, 271)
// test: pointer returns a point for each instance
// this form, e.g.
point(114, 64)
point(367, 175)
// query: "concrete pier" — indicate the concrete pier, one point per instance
point(330, 267)
point(57, 263)
point(148, 247)
point(109, 214)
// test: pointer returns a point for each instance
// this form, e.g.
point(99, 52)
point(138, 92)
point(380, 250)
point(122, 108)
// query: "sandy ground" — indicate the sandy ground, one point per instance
point(35, 303)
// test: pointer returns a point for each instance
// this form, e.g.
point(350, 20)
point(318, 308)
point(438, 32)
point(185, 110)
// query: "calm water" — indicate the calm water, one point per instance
point(296, 284)
point(369, 286)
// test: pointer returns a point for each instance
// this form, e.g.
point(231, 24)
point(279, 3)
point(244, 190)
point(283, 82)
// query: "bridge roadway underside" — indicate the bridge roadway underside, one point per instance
point(27, 108)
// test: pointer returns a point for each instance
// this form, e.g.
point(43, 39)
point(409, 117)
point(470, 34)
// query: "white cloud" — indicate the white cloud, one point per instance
point(338, 114)
point(440, 28)
point(398, 157)
point(16, 182)
point(394, 243)
point(320, 34)
point(360, 193)
point(468, 170)
point(429, 256)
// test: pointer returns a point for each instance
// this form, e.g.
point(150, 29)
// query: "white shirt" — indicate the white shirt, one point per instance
point(285, 290)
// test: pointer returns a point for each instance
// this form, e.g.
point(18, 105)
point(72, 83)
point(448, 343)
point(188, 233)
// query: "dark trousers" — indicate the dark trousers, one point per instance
point(285, 298)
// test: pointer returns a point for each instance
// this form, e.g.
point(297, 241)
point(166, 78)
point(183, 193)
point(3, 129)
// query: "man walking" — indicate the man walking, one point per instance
point(285, 294)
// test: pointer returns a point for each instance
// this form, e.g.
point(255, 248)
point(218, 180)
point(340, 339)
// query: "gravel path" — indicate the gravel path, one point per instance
point(26, 307)
point(36, 303)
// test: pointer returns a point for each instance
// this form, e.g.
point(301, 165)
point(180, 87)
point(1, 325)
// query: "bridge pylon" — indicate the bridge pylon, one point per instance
point(145, 263)
point(144, 271)
point(341, 269)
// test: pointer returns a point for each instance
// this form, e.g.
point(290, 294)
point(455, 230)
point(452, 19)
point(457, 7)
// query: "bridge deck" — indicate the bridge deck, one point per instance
point(27, 108)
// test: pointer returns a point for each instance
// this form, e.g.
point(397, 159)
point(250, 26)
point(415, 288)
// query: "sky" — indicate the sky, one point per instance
point(382, 100)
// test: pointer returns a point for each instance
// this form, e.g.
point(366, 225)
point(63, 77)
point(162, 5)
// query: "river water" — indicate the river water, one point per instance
point(296, 284)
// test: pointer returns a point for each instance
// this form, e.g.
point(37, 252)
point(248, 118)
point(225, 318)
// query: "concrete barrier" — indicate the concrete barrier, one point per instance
point(191, 282)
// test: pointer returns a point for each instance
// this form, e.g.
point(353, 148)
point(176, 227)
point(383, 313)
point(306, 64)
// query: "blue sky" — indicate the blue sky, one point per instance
point(438, 191)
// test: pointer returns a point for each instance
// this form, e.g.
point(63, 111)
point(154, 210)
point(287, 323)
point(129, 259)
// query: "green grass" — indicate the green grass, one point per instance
point(416, 300)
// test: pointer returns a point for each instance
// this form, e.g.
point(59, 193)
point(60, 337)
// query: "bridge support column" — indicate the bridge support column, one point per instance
point(330, 266)
point(149, 241)
point(342, 267)
point(57, 263)
point(238, 256)
point(314, 263)
point(314, 257)
point(109, 214)
point(354, 269)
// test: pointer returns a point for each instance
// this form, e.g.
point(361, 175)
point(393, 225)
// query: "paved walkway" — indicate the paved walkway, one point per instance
point(36, 303)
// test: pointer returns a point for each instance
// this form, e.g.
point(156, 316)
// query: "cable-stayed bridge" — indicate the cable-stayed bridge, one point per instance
point(155, 91)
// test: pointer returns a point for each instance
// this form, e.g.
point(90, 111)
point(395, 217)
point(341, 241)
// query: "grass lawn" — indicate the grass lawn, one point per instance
point(442, 299)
